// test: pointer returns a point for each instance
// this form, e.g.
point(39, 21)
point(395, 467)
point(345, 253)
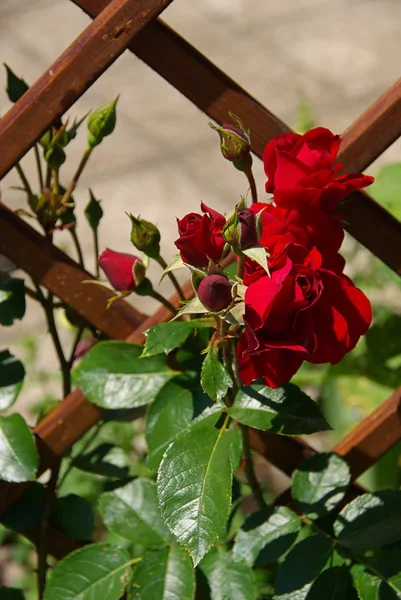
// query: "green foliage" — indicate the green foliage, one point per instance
point(132, 512)
point(74, 516)
point(93, 212)
point(176, 410)
point(266, 535)
point(228, 579)
point(334, 583)
point(12, 375)
point(90, 573)
point(286, 410)
point(194, 488)
point(112, 375)
point(214, 378)
point(11, 594)
point(386, 188)
point(319, 484)
point(166, 337)
point(16, 87)
point(163, 574)
point(370, 521)
point(18, 456)
point(12, 299)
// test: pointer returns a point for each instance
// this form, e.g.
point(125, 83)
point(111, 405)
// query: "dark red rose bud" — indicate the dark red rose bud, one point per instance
point(215, 292)
point(119, 269)
point(249, 234)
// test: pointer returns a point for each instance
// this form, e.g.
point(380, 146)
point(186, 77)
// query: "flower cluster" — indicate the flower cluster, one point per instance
point(296, 304)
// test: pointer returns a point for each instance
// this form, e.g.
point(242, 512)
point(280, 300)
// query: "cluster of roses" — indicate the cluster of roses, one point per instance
point(302, 307)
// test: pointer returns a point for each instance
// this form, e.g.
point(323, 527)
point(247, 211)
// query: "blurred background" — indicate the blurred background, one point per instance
point(311, 62)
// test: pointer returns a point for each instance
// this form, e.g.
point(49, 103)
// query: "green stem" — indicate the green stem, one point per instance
point(163, 301)
point(172, 277)
point(48, 179)
point(252, 184)
point(24, 180)
point(96, 246)
point(77, 175)
point(249, 471)
point(39, 168)
point(77, 339)
point(44, 528)
point(77, 245)
point(240, 265)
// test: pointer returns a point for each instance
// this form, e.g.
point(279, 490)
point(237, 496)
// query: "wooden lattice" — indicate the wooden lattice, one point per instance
point(134, 24)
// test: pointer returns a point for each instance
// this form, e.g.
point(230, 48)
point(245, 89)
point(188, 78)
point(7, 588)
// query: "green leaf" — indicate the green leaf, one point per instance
point(301, 566)
point(164, 574)
point(214, 378)
point(165, 337)
point(194, 488)
point(74, 516)
point(93, 212)
point(171, 414)
point(112, 375)
point(11, 594)
point(386, 188)
point(16, 87)
point(370, 587)
point(93, 461)
point(370, 521)
point(286, 410)
point(334, 583)
point(90, 573)
point(132, 512)
point(192, 307)
point(228, 580)
point(12, 299)
point(176, 264)
point(18, 456)
point(320, 483)
point(12, 375)
point(267, 535)
point(27, 511)
point(259, 255)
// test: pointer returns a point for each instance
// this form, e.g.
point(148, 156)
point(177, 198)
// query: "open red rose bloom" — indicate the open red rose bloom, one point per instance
point(304, 308)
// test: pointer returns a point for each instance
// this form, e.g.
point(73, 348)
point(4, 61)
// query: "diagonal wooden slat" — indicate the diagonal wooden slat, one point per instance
point(78, 67)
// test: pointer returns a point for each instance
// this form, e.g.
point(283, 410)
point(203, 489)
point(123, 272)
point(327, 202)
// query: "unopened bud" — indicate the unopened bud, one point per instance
point(145, 236)
point(235, 143)
point(215, 292)
point(240, 230)
point(101, 123)
point(120, 269)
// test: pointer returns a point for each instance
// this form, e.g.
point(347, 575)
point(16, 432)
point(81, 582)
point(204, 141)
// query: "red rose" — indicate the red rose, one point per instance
point(302, 312)
point(300, 169)
point(306, 225)
point(118, 268)
point(200, 237)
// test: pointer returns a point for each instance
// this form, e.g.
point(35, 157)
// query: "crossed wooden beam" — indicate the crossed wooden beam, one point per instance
point(133, 24)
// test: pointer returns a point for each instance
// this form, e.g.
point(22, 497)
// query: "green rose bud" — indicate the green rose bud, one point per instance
point(101, 123)
point(235, 143)
point(145, 236)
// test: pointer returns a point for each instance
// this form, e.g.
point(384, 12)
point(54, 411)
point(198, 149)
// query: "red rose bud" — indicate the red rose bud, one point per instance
point(145, 236)
point(235, 143)
point(240, 230)
point(119, 269)
point(215, 292)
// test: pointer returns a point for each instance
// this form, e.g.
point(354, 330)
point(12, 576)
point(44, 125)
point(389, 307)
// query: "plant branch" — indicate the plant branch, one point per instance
point(77, 246)
point(96, 248)
point(172, 277)
point(24, 179)
point(240, 265)
point(77, 175)
point(87, 444)
point(249, 471)
point(39, 168)
point(44, 528)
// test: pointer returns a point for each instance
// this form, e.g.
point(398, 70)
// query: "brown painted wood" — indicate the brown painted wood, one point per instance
point(56, 271)
point(374, 131)
point(78, 67)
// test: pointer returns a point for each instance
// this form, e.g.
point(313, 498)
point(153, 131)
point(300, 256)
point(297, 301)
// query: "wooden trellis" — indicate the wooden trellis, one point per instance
point(134, 24)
